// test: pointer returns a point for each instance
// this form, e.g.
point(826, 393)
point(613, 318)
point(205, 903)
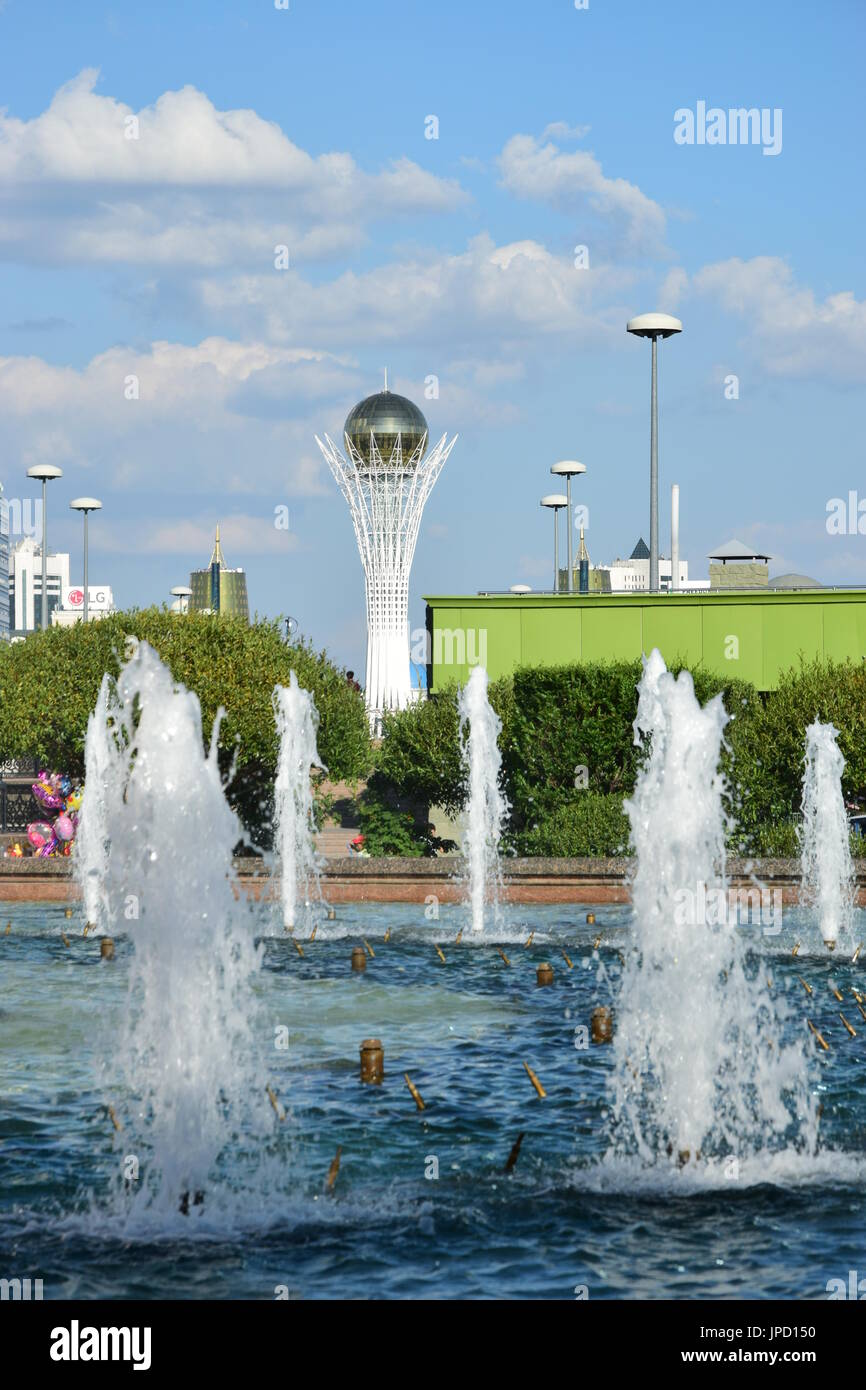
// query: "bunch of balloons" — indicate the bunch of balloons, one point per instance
point(55, 792)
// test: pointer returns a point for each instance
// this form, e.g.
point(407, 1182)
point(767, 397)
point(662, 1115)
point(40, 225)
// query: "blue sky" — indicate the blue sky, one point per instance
point(154, 257)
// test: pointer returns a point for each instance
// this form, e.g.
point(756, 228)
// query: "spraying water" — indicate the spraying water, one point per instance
point(297, 721)
point(700, 1069)
point(826, 867)
point(182, 1077)
point(90, 861)
point(487, 807)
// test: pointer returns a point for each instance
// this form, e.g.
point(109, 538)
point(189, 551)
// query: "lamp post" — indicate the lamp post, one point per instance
point(555, 501)
point(182, 593)
point(45, 473)
point(654, 326)
point(569, 469)
point(85, 505)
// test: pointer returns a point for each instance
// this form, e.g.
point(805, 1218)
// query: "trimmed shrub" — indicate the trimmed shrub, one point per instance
point(50, 682)
point(769, 747)
point(389, 826)
point(593, 825)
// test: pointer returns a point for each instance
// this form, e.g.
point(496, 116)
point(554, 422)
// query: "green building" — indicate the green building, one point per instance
point(218, 589)
point(751, 634)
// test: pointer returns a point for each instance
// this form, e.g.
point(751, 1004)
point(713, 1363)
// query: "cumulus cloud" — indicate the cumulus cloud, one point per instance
point(176, 418)
point(486, 294)
point(116, 185)
point(575, 181)
point(793, 332)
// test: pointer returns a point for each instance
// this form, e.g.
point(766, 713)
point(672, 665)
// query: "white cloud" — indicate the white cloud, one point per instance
point(793, 333)
point(220, 416)
point(673, 288)
point(575, 182)
point(486, 295)
point(72, 179)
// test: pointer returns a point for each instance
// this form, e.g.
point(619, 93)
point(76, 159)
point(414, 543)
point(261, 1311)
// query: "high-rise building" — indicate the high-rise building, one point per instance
point(25, 584)
point(219, 589)
point(23, 608)
point(386, 476)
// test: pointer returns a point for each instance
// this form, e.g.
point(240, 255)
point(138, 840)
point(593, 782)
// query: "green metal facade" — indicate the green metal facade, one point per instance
point(753, 635)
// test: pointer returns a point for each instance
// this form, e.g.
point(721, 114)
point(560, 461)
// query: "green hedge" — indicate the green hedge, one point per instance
point(570, 717)
point(49, 685)
point(594, 824)
point(557, 720)
point(419, 757)
point(770, 746)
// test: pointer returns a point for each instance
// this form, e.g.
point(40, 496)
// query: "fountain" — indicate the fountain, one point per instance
point(90, 862)
point(700, 1069)
point(297, 721)
point(827, 870)
point(182, 1075)
point(486, 807)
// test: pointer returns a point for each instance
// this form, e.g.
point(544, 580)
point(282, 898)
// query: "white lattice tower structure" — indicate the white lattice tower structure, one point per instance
point(386, 494)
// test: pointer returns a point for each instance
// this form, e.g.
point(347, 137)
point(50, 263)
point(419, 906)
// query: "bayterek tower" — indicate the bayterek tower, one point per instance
point(386, 475)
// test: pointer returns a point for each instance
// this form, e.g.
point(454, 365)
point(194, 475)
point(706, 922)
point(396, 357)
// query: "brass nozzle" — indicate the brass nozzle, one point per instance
point(416, 1094)
point(542, 1094)
point(333, 1170)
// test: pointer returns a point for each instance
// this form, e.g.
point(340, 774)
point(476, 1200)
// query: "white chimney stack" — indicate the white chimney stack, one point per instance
point(675, 536)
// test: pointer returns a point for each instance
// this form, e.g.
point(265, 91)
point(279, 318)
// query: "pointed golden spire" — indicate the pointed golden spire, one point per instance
point(217, 556)
point(583, 553)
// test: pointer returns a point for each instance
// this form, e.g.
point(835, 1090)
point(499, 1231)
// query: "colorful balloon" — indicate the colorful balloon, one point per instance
point(39, 832)
point(64, 828)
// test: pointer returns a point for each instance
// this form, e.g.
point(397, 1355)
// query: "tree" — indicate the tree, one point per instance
point(49, 685)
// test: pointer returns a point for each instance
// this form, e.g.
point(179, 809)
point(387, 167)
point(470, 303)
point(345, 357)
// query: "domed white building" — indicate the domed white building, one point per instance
point(386, 476)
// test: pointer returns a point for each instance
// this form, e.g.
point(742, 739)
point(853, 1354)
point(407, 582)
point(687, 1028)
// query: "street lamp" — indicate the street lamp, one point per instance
point(182, 593)
point(45, 473)
point(85, 505)
point(556, 501)
point(654, 326)
point(569, 469)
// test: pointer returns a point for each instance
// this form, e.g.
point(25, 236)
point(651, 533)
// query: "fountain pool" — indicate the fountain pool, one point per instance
point(169, 1116)
point(567, 1217)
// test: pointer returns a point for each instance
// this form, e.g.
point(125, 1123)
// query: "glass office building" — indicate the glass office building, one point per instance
point(219, 589)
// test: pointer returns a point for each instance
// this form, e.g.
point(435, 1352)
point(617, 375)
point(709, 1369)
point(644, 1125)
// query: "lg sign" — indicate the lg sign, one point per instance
point(99, 597)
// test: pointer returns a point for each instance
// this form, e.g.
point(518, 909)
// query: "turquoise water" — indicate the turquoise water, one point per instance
point(567, 1218)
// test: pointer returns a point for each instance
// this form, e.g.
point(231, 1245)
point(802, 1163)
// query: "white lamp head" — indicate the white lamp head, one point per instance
point(85, 504)
point(555, 499)
point(520, 589)
point(45, 472)
point(569, 468)
point(654, 326)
